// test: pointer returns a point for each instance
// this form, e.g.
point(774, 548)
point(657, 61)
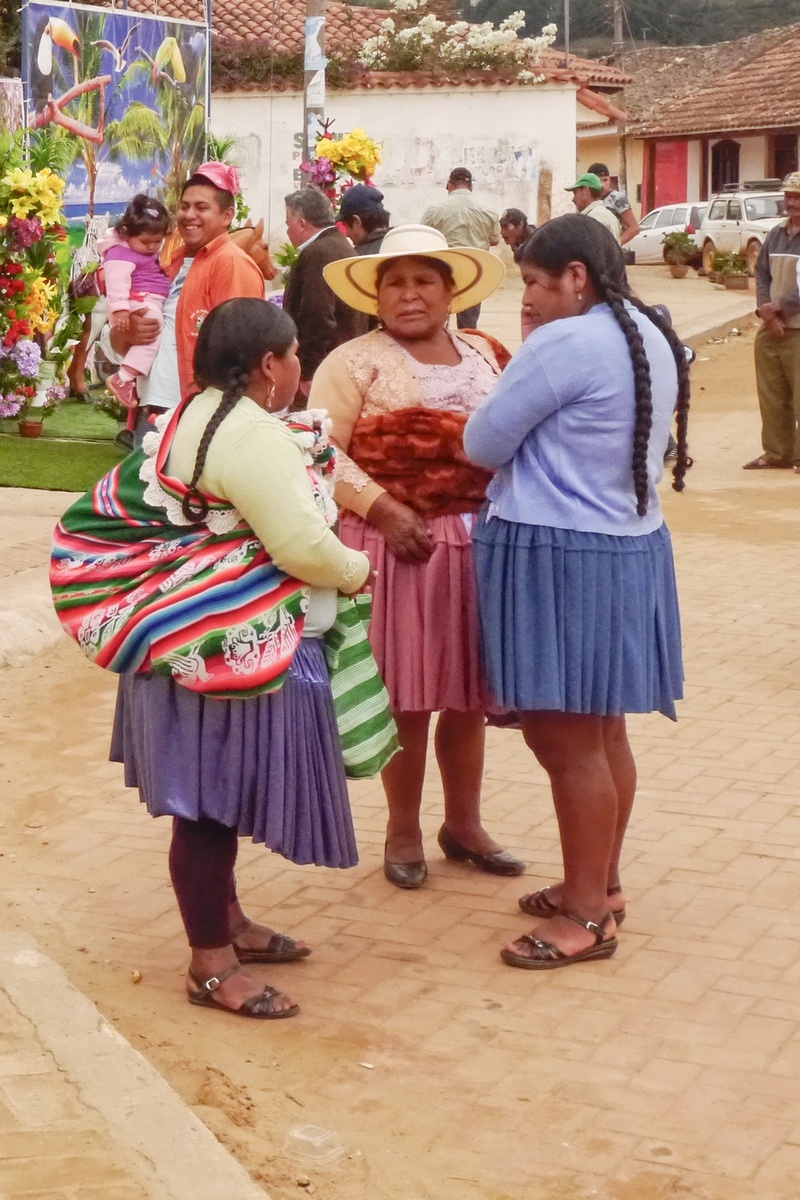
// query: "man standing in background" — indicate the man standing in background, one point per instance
point(617, 201)
point(464, 222)
point(586, 196)
point(515, 229)
point(323, 321)
point(777, 348)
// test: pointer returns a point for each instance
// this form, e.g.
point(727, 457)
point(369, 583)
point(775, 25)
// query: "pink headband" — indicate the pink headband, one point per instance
point(222, 176)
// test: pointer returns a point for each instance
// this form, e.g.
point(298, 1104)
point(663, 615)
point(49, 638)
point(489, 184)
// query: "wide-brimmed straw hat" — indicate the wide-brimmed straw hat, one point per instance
point(477, 273)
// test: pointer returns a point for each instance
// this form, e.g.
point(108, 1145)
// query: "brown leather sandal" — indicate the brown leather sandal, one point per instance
point(545, 956)
point(765, 463)
point(280, 948)
point(539, 904)
point(260, 1007)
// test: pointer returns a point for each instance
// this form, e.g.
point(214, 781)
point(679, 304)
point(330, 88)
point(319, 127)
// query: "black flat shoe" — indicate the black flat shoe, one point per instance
point(502, 862)
point(406, 875)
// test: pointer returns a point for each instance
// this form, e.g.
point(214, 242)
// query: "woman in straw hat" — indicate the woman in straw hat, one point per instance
point(398, 399)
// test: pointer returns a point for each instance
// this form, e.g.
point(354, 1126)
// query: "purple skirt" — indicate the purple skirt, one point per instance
point(269, 766)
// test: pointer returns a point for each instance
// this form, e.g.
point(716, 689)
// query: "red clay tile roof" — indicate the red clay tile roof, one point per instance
point(749, 84)
point(280, 26)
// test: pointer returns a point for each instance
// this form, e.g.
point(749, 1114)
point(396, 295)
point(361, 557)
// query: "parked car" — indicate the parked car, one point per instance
point(670, 218)
point(738, 222)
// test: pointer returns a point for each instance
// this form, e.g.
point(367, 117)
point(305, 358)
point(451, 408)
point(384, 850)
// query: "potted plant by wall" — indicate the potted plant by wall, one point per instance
point(731, 270)
point(734, 273)
point(680, 250)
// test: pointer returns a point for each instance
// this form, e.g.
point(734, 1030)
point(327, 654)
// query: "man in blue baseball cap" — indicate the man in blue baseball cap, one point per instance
point(362, 213)
point(587, 196)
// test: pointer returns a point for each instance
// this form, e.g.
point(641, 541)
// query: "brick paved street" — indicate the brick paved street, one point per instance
point(671, 1071)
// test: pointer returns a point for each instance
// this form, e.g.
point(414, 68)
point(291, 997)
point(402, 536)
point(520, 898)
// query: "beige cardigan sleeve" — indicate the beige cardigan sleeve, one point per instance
point(262, 472)
point(335, 389)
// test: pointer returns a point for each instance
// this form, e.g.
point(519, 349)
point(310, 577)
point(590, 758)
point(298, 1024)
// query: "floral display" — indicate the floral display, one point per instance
point(355, 154)
point(33, 196)
point(340, 162)
point(412, 39)
point(322, 174)
point(31, 286)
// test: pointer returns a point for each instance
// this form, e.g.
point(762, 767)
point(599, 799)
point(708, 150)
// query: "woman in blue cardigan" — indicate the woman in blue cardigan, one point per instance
point(578, 605)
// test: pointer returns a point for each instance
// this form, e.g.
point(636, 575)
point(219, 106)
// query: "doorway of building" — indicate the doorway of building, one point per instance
point(724, 164)
point(783, 155)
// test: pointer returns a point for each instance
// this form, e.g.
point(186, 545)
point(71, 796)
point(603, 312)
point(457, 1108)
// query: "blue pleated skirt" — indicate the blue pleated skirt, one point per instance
point(269, 766)
point(578, 622)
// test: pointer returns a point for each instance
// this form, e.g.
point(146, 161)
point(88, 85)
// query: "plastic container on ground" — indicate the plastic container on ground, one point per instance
point(313, 1144)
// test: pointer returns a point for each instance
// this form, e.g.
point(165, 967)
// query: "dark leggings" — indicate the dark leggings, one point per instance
point(201, 862)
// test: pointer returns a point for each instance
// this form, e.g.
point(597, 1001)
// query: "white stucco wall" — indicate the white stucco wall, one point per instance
point(505, 135)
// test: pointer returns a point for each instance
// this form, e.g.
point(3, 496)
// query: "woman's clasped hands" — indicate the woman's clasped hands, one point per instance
point(405, 531)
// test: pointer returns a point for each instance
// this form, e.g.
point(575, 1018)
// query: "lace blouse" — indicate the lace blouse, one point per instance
point(374, 374)
point(460, 388)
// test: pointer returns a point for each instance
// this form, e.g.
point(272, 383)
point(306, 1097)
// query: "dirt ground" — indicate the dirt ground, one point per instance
point(447, 1076)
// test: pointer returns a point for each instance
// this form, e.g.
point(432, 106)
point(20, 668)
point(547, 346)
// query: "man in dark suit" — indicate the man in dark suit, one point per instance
point(323, 321)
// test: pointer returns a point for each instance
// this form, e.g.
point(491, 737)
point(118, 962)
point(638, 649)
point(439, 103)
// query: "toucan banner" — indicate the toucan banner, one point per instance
point(125, 93)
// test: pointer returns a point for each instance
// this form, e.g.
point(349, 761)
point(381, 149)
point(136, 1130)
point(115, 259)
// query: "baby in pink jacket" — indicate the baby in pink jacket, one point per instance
point(134, 280)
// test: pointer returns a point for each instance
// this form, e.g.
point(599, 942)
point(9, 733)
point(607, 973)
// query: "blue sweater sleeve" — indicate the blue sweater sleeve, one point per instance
point(522, 397)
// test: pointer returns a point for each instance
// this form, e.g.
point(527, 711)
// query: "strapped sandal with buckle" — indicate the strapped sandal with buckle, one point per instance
point(539, 904)
point(261, 1007)
point(545, 956)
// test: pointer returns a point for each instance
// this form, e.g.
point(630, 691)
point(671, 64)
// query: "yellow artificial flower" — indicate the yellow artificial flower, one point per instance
point(18, 179)
point(20, 206)
point(356, 154)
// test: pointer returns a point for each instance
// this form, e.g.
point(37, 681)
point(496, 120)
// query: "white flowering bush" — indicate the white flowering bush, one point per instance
point(412, 39)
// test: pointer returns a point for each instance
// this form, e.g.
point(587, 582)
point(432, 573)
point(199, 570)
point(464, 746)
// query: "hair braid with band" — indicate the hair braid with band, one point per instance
point(683, 462)
point(642, 385)
point(233, 339)
point(194, 504)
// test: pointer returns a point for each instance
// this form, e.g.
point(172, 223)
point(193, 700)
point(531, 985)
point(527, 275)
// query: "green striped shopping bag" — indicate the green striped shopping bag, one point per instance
point(361, 702)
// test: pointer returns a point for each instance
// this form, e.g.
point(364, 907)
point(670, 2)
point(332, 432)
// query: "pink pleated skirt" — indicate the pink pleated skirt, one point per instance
point(424, 629)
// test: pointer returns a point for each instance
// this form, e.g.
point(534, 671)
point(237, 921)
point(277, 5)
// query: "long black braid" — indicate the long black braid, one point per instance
point(233, 339)
point(643, 421)
point(683, 462)
point(576, 238)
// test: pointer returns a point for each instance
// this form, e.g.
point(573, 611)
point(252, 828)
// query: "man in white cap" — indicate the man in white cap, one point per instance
point(777, 348)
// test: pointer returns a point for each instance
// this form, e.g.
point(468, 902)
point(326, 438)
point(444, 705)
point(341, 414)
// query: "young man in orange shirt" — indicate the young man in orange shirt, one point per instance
point(207, 270)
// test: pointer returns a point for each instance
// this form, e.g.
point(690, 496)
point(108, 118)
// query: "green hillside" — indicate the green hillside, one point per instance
point(674, 23)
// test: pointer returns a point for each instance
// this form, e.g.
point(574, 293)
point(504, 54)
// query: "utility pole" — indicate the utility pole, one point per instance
point(622, 168)
point(616, 6)
point(314, 64)
point(566, 33)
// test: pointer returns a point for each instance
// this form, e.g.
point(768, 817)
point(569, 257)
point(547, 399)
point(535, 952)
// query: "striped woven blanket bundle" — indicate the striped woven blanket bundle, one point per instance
point(139, 589)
